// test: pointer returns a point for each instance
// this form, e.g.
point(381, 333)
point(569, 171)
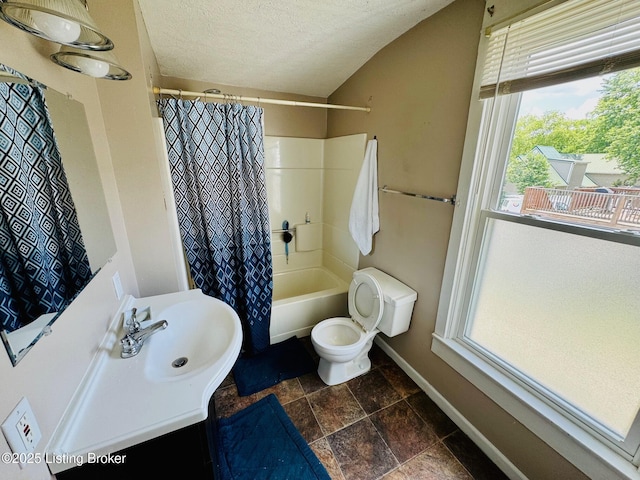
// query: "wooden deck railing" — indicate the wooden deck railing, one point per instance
point(620, 210)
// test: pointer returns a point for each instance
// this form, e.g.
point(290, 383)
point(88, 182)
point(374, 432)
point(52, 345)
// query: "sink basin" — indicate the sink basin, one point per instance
point(168, 385)
point(198, 333)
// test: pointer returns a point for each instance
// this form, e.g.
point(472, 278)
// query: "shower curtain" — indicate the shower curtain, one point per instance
point(216, 159)
point(43, 261)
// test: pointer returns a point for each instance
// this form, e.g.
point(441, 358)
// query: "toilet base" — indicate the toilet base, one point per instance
point(334, 373)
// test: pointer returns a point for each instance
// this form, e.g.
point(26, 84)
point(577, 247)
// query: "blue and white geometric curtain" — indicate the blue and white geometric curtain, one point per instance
point(43, 261)
point(216, 157)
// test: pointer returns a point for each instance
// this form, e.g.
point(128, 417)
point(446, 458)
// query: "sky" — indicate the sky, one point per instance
point(575, 99)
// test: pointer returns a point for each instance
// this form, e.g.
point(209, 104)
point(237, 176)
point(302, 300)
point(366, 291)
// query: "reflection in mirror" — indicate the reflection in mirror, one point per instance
point(76, 255)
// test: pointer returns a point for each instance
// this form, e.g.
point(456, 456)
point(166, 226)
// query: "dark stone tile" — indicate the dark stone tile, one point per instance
point(227, 401)
point(403, 430)
point(324, 453)
point(431, 413)
point(335, 407)
point(396, 475)
point(361, 451)
point(436, 463)
point(228, 381)
point(308, 344)
point(378, 357)
point(474, 459)
point(311, 382)
point(300, 413)
point(286, 391)
point(373, 391)
point(399, 380)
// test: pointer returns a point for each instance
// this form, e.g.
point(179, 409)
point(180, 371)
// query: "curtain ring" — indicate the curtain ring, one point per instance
point(160, 104)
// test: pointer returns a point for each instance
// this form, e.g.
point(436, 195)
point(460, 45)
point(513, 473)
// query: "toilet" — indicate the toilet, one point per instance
point(377, 303)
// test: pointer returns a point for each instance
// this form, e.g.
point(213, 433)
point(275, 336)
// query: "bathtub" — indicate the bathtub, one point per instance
point(302, 298)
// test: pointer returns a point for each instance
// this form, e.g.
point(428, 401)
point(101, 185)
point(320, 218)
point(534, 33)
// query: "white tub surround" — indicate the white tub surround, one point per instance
point(308, 237)
point(302, 298)
point(313, 179)
point(125, 401)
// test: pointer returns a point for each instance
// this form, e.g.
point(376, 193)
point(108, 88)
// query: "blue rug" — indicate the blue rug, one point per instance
point(281, 361)
point(260, 443)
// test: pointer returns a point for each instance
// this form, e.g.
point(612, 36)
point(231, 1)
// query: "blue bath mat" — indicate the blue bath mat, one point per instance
point(260, 443)
point(281, 361)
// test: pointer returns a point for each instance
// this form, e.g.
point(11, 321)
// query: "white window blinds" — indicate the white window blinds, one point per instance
point(576, 39)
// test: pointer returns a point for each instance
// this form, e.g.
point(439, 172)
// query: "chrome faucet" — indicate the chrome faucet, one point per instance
point(134, 339)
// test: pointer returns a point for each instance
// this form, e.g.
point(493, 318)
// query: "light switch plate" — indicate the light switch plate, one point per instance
point(117, 285)
point(21, 430)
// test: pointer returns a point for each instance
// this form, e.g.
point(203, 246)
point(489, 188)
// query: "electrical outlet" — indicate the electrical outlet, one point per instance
point(26, 432)
point(21, 430)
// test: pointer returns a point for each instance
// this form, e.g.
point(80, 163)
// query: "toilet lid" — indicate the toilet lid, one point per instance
point(365, 301)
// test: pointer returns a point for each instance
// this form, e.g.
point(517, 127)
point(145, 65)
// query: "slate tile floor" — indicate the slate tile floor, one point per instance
point(377, 426)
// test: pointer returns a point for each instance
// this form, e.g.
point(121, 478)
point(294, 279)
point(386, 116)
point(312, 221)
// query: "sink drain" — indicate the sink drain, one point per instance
point(179, 362)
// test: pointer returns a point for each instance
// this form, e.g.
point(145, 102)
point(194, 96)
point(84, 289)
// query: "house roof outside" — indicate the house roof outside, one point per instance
point(597, 169)
point(550, 152)
point(598, 163)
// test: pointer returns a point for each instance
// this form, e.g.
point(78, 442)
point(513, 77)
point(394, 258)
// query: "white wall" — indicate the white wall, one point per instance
point(51, 371)
point(293, 169)
point(342, 162)
point(317, 177)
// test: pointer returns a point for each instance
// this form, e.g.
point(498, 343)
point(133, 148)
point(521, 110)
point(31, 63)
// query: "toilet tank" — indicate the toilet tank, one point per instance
point(398, 303)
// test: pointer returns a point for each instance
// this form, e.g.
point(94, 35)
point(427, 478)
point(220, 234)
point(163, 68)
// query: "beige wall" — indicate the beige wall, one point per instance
point(133, 142)
point(52, 370)
point(419, 90)
point(128, 109)
point(279, 120)
point(119, 115)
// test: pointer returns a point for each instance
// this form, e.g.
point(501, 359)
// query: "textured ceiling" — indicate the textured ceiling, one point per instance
point(307, 47)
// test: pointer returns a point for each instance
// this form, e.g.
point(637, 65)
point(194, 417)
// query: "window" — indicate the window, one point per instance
point(540, 298)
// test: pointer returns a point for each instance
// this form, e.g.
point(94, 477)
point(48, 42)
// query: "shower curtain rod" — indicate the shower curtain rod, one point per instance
point(258, 100)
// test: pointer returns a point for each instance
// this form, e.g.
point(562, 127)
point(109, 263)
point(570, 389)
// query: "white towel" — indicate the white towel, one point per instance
point(363, 217)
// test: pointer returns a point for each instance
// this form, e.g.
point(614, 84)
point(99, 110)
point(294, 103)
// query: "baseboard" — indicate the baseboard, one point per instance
point(509, 469)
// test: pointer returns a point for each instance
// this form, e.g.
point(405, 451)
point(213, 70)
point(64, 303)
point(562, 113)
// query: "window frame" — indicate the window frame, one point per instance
point(486, 151)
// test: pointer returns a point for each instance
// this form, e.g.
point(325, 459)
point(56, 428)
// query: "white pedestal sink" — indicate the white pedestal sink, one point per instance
point(167, 386)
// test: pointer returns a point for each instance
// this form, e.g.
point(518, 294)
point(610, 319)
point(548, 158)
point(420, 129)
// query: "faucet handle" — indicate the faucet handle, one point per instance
point(130, 346)
point(131, 323)
point(132, 319)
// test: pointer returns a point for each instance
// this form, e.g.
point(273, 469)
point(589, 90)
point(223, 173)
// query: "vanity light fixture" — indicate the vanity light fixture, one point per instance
point(95, 64)
point(62, 21)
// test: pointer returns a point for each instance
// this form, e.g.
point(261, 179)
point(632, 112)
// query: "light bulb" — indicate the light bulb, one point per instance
point(91, 66)
point(57, 29)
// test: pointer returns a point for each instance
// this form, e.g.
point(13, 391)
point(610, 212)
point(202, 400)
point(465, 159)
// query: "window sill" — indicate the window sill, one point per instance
point(576, 445)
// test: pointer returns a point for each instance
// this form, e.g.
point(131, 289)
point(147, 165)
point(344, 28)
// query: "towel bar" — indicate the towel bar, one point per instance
point(290, 230)
point(451, 200)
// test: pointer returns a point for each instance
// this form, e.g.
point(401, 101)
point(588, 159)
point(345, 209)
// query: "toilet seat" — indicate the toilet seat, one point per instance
point(339, 334)
point(366, 301)
point(343, 343)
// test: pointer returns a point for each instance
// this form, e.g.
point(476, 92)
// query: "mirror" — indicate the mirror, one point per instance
point(72, 133)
